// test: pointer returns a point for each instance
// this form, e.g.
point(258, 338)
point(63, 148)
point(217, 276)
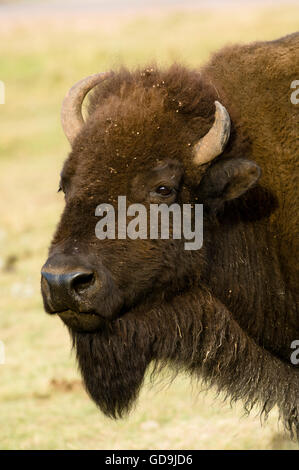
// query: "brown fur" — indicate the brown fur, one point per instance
point(227, 312)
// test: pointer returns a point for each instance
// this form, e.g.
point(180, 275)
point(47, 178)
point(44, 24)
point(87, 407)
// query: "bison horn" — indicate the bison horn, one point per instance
point(71, 111)
point(213, 143)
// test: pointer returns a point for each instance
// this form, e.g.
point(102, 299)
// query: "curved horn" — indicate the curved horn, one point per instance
point(212, 144)
point(71, 111)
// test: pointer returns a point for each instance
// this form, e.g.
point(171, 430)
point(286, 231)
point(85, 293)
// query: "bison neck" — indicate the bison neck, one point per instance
point(245, 272)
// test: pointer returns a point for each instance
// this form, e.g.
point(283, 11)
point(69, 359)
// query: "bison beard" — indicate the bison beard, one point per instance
point(195, 333)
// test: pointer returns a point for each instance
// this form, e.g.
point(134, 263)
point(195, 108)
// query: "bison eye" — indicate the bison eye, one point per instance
point(164, 190)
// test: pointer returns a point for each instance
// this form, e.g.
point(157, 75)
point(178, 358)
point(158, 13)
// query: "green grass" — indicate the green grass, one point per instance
point(42, 402)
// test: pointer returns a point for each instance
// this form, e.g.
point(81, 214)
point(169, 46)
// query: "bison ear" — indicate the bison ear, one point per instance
point(228, 179)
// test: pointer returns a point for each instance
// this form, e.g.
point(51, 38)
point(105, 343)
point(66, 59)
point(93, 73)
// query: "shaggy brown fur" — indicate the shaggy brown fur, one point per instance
point(227, 312)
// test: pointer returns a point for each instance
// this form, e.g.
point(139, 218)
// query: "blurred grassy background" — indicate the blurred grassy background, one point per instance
point(42, 402)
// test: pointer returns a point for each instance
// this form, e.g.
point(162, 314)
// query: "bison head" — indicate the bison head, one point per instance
point(152, 136)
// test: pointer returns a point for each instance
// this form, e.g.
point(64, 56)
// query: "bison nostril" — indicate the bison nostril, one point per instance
point(66, 286)
point(82, 281)
point(59, 284)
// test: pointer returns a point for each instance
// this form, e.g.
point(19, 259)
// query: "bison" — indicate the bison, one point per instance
point(225, 136)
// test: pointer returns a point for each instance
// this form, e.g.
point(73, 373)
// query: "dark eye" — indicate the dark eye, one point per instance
point(164, 190)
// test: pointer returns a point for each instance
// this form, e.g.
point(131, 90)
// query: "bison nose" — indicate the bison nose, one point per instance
point(74, 281)
point(66, 290)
